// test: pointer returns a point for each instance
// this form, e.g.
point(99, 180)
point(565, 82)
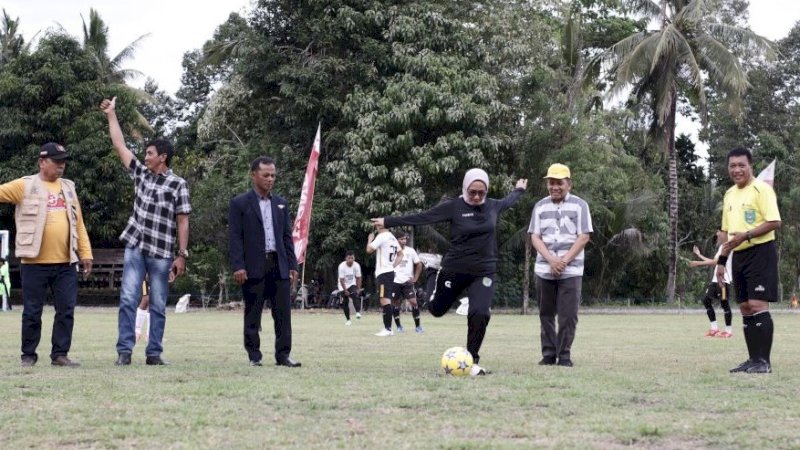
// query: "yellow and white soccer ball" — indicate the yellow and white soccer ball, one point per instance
point(456, 361)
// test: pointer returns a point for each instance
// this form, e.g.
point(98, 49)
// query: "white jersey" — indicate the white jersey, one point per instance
point(386, 247)
point(728, 266)
point(349, 273)
point(404, 271)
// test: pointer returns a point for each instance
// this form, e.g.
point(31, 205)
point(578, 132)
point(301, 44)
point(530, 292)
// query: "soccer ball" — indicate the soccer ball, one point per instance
point(457, 361)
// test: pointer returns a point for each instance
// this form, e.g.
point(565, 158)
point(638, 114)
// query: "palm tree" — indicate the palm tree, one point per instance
point(95, 41)
point(12, 44)
point(689, 49)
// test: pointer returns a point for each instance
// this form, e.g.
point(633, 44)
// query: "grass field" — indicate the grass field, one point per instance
point(642, 380)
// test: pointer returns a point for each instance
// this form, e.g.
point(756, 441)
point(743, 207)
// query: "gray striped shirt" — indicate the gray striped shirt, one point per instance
point(559, 224)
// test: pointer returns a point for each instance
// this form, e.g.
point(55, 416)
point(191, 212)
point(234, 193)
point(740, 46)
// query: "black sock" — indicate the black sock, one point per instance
point(346, 309)
point(396, 312)
point(387, 316)
point(748, 326)
point(764, 329)
point(415, 315)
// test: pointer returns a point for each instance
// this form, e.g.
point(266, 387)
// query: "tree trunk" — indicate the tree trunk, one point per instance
point(526, 279)
point(669, 137)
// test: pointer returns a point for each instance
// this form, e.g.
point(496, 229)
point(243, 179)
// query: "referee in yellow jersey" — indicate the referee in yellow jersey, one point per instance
point(750, 217)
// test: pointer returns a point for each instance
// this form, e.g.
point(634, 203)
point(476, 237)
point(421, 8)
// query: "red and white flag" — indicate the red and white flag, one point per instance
point(768, 174)
point(301, 223)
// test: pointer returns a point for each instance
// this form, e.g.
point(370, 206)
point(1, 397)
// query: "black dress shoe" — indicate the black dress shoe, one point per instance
point(565, 362)
point(548, 361)
point(256, 363)
point(155, 361)
point(288, 362)
point(28, 361)
point(124, 359)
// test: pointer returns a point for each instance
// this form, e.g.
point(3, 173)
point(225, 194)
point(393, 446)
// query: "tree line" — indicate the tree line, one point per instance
point(412, 94)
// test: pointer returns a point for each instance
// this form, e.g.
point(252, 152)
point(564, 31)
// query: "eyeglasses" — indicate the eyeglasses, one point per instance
point(474, 193)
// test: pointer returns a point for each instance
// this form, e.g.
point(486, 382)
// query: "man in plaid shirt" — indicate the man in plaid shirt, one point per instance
point(160, 208)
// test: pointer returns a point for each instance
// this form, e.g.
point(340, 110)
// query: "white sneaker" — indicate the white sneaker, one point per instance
point(348, 323)
point(463, 309)
point(358, 315)
point(477, 371)
point(384, 332)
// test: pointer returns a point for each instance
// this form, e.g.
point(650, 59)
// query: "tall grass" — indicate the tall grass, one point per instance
point(649, 381)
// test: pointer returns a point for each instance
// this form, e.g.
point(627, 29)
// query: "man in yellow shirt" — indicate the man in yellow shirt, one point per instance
point(51, 239)
point(750, 217)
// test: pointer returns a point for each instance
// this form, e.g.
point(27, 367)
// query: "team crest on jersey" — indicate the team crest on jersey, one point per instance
point(487, 281)
point(750, 216)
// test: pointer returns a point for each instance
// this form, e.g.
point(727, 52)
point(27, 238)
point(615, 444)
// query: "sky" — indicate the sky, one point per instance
point(178, 26)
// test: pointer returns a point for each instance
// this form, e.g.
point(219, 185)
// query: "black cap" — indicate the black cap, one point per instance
point(54, 151)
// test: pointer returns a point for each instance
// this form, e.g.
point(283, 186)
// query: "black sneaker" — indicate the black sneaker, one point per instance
point(124, 359)
point(564, 362)
point(759, 366)
point(743, 366)
point(155, 361)
point(548, 361)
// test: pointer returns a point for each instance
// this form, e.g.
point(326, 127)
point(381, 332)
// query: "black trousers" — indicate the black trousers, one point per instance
point(449, 286)
point(560, 298)
point(258, 289)
point(37, 280)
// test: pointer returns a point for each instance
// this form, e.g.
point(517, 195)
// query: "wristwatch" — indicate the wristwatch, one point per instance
point(183, 252)
point(748, 235)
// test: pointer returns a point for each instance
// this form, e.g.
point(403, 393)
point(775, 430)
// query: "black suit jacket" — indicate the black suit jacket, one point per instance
point(246, 235)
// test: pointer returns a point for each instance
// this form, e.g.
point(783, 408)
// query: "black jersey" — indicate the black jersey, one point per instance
point(473, 231)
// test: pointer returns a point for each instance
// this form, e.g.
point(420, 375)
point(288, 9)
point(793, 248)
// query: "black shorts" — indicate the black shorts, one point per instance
point(404, 291)
point(385, 284)
point(755, 273)
point(713, 292)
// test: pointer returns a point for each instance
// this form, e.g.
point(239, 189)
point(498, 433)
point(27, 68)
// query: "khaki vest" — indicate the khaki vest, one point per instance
point(31, 217)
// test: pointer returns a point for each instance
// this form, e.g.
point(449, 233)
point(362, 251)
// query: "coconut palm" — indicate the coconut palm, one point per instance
point(95, 41)
point(12, 44)
point(689, 49)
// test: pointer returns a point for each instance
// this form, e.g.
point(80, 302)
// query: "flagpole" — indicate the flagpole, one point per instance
point(302, 285)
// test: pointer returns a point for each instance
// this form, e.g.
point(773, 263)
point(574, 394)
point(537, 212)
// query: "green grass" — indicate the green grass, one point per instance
point(640, 380)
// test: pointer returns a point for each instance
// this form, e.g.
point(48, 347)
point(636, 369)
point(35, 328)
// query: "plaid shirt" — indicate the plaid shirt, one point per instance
point(159, 197)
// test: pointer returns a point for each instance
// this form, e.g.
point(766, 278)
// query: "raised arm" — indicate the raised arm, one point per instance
point(513, 196)
point(117, 139)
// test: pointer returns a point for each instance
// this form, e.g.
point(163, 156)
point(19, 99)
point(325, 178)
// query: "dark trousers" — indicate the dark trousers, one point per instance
point(37, 280)
point(271, 288)
point(449, 286)
point(558, 298)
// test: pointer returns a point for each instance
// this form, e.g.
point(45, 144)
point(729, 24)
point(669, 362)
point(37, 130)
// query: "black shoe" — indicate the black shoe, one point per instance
point(548, 361)
point(288, 362)
point(759, 366)
point(124, 359)
point(256, 363)
point(565, 362)
point(63, 361)
point(743, 366)
point(155, 361)
point(28, 361)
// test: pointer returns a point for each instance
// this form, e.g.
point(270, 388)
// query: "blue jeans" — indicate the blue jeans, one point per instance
point(133, 273)
point(37, 281)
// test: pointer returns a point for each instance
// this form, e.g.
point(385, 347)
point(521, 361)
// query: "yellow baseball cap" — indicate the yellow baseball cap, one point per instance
point(558, 171)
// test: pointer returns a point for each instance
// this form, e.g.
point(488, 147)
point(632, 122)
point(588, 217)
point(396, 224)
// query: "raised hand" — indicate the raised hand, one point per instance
point(108, 106)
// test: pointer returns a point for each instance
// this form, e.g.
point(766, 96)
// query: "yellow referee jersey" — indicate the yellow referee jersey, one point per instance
point(746, 208)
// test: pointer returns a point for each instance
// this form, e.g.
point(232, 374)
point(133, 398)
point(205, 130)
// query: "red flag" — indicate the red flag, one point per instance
point(301, 223)
point(768, 174)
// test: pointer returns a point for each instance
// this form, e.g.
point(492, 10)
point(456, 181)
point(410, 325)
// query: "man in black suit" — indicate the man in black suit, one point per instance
point(263, 260)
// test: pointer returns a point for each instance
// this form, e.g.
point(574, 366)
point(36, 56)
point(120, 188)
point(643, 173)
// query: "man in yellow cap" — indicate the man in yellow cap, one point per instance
point(560, 228)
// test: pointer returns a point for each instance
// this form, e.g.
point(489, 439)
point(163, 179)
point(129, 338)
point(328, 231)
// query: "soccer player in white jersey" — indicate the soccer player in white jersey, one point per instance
point(350, 285)
point(714, 292)
point(385, 247)
point(406, 274)
point(560, 228)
